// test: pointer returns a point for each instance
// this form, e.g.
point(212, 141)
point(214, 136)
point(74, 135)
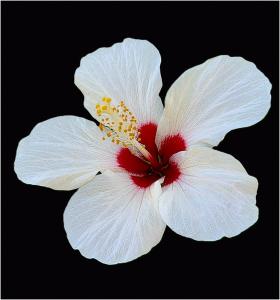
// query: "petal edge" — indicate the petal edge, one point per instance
point(211, 99)
point(215, 197)
point(63, 153)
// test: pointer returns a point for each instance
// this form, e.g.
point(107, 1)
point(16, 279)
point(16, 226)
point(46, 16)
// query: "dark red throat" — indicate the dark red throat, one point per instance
point(144, 173)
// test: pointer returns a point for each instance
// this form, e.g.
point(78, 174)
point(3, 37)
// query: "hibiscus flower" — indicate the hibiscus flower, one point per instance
point(157, 164)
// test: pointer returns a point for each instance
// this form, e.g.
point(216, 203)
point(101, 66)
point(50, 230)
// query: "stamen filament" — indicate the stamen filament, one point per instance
point(120, 125)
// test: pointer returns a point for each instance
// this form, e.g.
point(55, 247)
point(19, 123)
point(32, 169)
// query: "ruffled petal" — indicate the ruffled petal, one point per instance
point(63, 153)
point(209, 100)
point(214, 196)
point(112, 220)
point(128, 71)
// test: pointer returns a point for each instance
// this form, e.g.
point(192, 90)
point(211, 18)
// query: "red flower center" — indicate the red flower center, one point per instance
point(144, 173)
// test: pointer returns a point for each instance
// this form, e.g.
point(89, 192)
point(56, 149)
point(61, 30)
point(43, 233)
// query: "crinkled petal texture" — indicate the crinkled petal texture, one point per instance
point(63, 153)
point(209, 100)
point(112, 220)
point(128, 71)
point(213, 198)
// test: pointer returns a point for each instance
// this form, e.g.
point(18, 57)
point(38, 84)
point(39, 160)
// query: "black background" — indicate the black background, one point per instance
point(42, 46)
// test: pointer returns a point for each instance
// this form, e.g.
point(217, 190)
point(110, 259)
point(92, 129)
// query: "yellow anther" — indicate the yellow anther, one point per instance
point(106, 99)
point(120, 125)
point(103, 138)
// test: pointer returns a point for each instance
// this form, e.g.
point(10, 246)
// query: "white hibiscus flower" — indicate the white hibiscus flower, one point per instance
point(161, 168)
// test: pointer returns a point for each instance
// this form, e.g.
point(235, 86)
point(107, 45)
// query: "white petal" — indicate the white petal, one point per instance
point(63, 153)
point(209, 100)
point(112, 220)
point(128, 71)
point(214, 196)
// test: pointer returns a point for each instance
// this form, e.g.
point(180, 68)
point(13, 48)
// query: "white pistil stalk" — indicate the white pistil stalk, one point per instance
point(142, 150)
